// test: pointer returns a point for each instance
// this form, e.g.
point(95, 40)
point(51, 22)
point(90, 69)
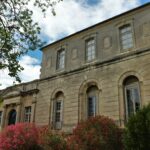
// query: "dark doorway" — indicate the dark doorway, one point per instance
point(12, 117)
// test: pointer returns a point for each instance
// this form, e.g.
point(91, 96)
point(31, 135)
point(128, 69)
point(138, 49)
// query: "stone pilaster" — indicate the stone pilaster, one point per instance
point(33, 108)
point(33, 111)
point(18, 111)
point(3, 117)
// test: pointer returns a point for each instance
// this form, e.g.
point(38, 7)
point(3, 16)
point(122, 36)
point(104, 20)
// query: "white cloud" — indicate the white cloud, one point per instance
point(74, 15)
point(71, 16)
point(31, 68)
point(31, 71)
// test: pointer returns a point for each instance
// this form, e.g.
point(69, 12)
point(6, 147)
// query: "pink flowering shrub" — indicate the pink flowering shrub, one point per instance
point(96, 133)
point(25, 136)
point(22, 136)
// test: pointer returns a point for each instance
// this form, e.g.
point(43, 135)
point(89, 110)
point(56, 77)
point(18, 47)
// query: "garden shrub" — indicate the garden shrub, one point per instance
point(25, 136)
point(52, 140)
point(22, 136)
point(96, 133)
point(137, 132)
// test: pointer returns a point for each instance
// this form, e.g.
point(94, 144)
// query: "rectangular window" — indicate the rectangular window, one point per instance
point(61, 59)
point(27, 114)
point(90, 49)
point(91, 106)
point(0, 117)
point(126, 37)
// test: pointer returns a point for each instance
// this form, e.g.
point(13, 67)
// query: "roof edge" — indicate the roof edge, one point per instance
point(107, 20)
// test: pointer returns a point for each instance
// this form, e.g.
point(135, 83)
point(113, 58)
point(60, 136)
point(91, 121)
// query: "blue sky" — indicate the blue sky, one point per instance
point(71, 16)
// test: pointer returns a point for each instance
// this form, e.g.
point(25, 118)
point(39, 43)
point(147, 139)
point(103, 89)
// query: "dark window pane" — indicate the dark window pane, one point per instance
point(12, 117)
point(91, 106)
point(58, 106)
point(57, 117)
point(130, 103)
point(136, 99)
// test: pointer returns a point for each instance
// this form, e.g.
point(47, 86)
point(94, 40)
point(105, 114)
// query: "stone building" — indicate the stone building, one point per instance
point(101, 70)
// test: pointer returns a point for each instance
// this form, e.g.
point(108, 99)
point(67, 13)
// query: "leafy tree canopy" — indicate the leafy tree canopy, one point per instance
point(18, 32)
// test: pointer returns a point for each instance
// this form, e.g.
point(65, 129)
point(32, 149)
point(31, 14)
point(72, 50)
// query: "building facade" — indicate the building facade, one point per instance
point(101, 70)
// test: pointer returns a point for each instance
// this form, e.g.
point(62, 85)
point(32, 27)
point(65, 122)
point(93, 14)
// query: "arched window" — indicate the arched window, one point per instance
point(92, 101)
point(58, 110)
point(132, 95)
point(12, 117)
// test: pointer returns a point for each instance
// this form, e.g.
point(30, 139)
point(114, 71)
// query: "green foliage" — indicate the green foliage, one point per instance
point(52, 140)
point(137, 132)
point(18, 32)
point(56, 142)
point(97, 133)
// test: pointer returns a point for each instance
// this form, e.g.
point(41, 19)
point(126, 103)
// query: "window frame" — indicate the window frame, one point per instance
point(58, 111)
point(12, 117)
point(59, 66)
point(92, 92)
point(87, 46)
point(126, 33)
point(27, 115)
point(120, 24)
point(128, 87)
point(58, 124)
point(1, 117)
point(94, 102)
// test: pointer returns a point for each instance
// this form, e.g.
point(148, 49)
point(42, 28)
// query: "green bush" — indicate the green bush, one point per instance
point(52, 140)
point(137, 132)
point(96, 133)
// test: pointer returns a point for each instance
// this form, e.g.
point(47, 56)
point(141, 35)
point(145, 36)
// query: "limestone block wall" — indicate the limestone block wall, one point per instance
point(17, 98)
point(109, 78)
point(107, 40)
point(107, 72)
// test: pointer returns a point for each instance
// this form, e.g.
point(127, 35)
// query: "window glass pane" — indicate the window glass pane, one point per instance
point(12, 117)
point(60, 59)
point(136, 99)
point(126, 37)
point(91, 106)
point(57, 117)
point(133, 99)
point(58, 111)
point(130, 102)
point(90, 49)
point(27, 114)
point(58, 106)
